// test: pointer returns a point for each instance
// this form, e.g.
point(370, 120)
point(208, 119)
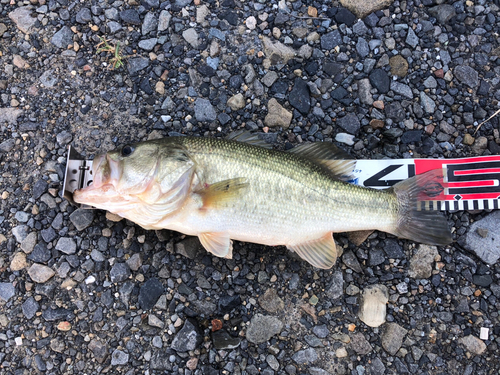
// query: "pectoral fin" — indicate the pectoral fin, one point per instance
point(221, 193)
point(218, 244)
point(321, 253)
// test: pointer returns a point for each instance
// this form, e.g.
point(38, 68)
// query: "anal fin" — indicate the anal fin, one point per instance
point(218, 244)
point(321, 253)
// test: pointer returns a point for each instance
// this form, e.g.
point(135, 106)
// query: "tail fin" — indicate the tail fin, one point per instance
point(421, 226)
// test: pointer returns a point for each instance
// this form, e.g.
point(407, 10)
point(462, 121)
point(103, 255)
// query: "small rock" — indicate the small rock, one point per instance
point(99, 349)
point(399, 66)
point(467, 75)
point(345, 138)
point(29, 242)
point(373, 305)
point(63, 38)
point(18, 262)
point(191, 36)
point(66, 245)
point(164, 20)
point(130, 16)
point(335, 288)
point(149, 24)
point(359, 344)
point(149, 293)
point(277, 52)
point(119, 272)
point(349, 123)
point(277, 115)
point(364, 91)
point(224, 341)
point(119, 358)
point(227, 303)
point(331, 40)
point(84, 16)
point(204, 111)
point(412, 38)
point(134, 262)
point(271, 302)
point(269, 79)
point(81, 218)
point(483, 236)
point(402, 89)
point(22, 18)
point(188, 247)
point(9, 115)
point(251, 23)
point(188, 338)
point(40, 273)
point(422, 261)
point(427, 103)
point(443, 13)
point(361, 9)
point(137, 64)
point(148, 44)
point(7, 291)
point(473, 344)
point(19, 62)
point(7, 146)
point(392, 338)
point(236, 102)
point(305, 356)
point(30, 307)
point(262, 328)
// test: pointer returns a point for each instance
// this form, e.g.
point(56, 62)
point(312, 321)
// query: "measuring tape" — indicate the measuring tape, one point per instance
point(471, 183)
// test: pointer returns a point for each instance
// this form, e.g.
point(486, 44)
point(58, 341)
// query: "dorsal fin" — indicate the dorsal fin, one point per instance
point(339, 162)
point(246, 136)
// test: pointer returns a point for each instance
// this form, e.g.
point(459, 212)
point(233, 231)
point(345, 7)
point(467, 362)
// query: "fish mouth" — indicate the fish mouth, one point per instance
point(105, 173)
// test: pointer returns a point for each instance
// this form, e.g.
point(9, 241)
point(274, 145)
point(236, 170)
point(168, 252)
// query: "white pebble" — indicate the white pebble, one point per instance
point(484, 333)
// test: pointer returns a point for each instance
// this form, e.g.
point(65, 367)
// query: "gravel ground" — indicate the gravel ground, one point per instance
point(81, 293)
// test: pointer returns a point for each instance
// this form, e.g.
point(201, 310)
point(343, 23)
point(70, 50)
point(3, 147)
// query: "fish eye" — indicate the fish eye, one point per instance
point(127, 150)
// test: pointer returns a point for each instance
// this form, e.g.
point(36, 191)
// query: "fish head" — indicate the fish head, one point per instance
point(138, 175)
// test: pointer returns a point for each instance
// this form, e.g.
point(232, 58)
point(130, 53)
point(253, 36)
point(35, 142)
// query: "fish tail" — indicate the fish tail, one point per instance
point(421, 226)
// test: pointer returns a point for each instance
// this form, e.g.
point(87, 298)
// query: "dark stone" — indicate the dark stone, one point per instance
point(351, 261)
point(331, 40)
point(376, 257)
point(119, 272)
point(484, 88)
point(48, 234)
point(345, 16)
point(332, 68)
point(81, 218)
point(231, 17)
point(395, 111)
point(393, 249)
point(482, 280)
point(380, 80)
point(349, 123)
point(51, 315)
point(84, 16)
point(149, 293)
point(412, 136)
point(137, 64)
point(188, 338)
point(223, 340)
point(40, 253)
point(228, 303)
point(206, 70)
point(146, 86)
point(339, 93)
point(299, 97)
point(63, 38)
point(28, 126)
point(130, 16)
point(30, 307)
point(312, 68)
point(279, 87)
point(39, 188)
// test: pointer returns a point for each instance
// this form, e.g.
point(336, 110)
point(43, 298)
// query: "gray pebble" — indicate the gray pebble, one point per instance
point(7, 291)
point(119, 272)
point(119, 358)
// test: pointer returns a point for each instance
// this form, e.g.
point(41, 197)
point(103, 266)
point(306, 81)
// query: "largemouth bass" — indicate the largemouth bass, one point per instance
point(232, 189)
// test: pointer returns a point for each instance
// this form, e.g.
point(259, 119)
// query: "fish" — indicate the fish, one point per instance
point(239, 188)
